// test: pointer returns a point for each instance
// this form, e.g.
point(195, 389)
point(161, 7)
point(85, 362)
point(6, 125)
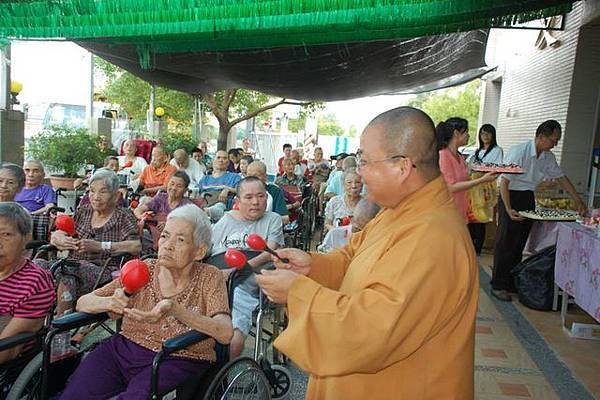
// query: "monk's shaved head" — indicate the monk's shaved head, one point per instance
point(409, 132)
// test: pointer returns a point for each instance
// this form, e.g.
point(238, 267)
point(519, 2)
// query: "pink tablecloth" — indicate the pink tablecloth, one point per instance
point(577, 267)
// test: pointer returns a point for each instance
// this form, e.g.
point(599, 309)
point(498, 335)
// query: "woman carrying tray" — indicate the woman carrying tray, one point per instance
point(452, 134)
point(488, 153)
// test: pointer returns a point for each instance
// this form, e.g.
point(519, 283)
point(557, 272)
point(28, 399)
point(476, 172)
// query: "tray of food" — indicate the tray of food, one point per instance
point(550, 214)
point(498, 168)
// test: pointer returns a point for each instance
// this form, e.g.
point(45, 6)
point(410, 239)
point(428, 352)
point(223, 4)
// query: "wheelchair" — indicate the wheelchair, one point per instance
point(45, 375)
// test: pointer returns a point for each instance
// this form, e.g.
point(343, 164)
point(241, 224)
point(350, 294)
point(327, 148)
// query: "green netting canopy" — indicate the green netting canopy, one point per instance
point(149, 36)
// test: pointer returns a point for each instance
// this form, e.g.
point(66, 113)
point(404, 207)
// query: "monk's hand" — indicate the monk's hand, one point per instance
point(160, 310)
point(276, 284)
point(299, 260)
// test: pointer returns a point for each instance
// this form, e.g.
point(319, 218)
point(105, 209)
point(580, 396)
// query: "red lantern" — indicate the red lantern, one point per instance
point(134, 276)
point(235, 258)
point(66, 224)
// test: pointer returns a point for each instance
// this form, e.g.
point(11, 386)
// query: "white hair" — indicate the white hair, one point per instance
point(202, 233)
point(107, 176)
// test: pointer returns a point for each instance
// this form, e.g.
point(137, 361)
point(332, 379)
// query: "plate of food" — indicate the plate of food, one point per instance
point(550, 214)
point(498, 168)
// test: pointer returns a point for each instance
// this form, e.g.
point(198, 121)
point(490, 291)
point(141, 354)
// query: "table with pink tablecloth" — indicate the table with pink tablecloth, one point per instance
point(577, 267)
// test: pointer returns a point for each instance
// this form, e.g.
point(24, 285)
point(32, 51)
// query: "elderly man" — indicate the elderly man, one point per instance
point(231, 232)
point(191, 167)
point(155, 176)
point(392, 314)
point(36, 197)
point(275, 197)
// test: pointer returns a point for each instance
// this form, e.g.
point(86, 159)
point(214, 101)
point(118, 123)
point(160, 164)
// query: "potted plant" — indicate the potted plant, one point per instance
point(65, 151)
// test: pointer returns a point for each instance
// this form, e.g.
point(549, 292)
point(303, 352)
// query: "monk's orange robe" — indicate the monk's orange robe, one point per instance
point(392, 314)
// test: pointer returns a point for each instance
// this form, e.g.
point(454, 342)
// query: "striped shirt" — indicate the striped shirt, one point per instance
point(27, 292)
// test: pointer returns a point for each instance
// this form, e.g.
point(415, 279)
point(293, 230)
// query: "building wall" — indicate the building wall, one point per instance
point(585, 89)
point(553, 83)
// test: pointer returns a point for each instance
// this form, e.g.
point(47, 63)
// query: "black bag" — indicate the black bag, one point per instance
point(534, 279)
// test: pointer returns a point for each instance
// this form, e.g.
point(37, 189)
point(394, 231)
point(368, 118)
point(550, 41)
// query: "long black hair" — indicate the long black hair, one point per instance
point(489, 128)
point(444, 131)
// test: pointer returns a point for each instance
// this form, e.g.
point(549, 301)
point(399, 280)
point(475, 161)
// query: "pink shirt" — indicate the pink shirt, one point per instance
point(454, 169)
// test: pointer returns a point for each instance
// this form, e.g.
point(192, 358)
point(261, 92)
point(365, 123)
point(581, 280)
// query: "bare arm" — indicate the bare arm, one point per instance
point(218, 326)
point(505, 195)
point(95, 304)
point(264, 257)
point(466, 185)
point(16, 326)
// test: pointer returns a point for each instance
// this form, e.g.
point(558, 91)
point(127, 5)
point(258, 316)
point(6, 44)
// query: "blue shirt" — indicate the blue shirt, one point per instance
point(36, 198)
point(210, 183)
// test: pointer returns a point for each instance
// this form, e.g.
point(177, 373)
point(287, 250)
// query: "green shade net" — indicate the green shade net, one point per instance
point(169, 26)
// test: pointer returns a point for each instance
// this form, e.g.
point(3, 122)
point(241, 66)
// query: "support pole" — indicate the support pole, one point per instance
point(5, 103)
point(90, 105)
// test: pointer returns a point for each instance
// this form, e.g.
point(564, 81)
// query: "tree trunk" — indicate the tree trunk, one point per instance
point(222, 140)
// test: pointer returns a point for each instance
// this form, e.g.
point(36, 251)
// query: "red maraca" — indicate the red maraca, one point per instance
point(128, 164)
point(346, 221)
point(258, 243)
point(66, 224)
point(235, 259)
point(134, 276)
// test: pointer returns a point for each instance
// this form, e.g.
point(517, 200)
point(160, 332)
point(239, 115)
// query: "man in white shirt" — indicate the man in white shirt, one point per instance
point(517, 194)
point(192, 168)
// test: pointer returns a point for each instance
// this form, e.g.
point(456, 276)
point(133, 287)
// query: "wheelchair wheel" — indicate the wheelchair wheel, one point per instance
point(241, 378)
point(281, 382)
point(28, 382)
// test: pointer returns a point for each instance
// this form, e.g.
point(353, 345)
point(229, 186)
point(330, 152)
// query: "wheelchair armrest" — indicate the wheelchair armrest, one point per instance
point(55, 209)
point(77, 319)
point(183, 341)
point(15, 340)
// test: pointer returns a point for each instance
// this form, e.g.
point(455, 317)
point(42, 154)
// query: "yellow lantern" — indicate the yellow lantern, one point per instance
point(159, 111)
point(16, 87)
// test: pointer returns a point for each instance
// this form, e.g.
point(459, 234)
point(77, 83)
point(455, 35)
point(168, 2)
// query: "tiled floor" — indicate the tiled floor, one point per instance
point(563, 368)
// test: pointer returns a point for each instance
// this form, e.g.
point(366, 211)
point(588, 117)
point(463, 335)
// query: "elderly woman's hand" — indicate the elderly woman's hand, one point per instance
point(63, 241)
point(89, 246)
point(117, 302)
point(160, 310)
point(223, 195)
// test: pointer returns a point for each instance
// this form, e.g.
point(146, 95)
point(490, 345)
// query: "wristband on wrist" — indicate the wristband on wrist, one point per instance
point(106, 246)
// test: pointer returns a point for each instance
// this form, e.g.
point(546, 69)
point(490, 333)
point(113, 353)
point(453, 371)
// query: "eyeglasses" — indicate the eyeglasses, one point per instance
point(363, 163)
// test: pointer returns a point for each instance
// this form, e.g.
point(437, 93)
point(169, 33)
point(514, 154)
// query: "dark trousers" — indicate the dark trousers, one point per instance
point(477, 232)
point(511, 237)
point(120, 367)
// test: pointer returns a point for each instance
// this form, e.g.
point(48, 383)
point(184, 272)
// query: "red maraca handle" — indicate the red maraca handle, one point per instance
point(257, 242)
point(134, 276)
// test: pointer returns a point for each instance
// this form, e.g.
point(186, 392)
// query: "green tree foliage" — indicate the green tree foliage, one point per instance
point(461, 101)
point(179, 137)
point(133, 94)
point(65, 149)
point(327, 124)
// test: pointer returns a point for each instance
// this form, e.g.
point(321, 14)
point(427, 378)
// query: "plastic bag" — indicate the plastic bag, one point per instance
point(534, 279)
point(482, 200)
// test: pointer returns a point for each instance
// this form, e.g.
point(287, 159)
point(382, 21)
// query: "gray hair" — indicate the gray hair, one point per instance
point(349, 162)
point(202, 233)
point(109, 178)
point(348, 172)
point(15, 213)
point(34, 161)
point(16, 171)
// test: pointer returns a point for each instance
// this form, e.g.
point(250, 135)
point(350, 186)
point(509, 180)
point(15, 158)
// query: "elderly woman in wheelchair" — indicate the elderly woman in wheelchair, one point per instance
point(182, 294)
point(26, 291)
point(104, 235)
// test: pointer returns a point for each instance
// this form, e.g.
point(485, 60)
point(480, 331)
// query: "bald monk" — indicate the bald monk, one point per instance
point(392, 314)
